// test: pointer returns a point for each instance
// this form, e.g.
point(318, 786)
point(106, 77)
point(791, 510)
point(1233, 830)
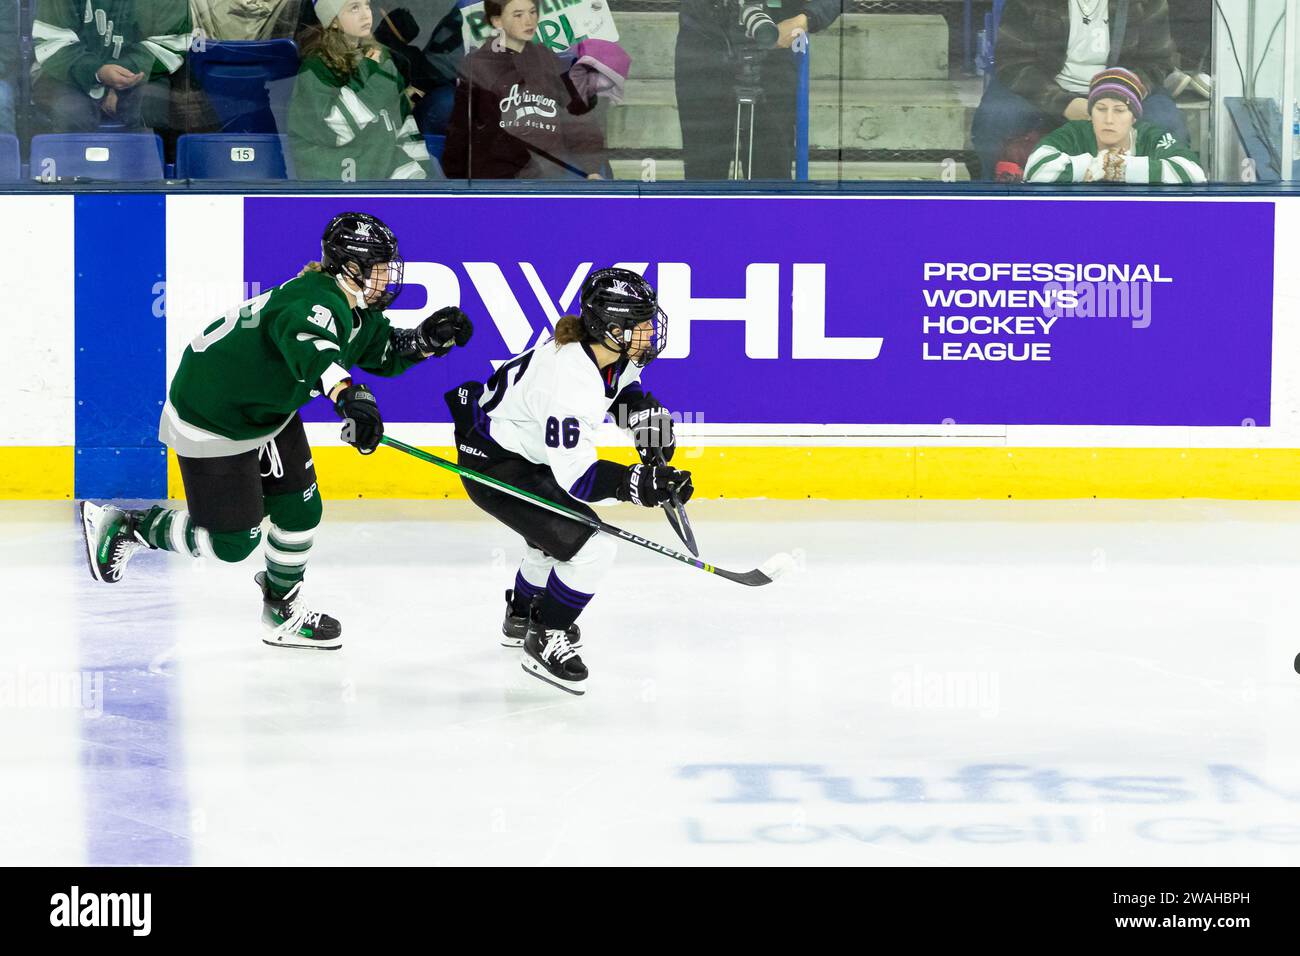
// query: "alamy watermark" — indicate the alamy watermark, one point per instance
point(210, 300)
point(54, 690)
point(920, 689)
point(1100, 300)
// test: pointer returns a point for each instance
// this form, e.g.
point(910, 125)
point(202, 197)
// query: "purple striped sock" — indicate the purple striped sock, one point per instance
point(525, 587)
point(562, 604)
point(525, 591)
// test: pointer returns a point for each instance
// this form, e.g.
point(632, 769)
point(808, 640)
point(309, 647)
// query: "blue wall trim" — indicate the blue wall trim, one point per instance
point(121, 360)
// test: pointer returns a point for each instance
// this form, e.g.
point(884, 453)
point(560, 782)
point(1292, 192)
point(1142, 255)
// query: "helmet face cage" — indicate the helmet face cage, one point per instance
point(615, 302)
point(353, 245)
point(381, 296)
point(658, 339)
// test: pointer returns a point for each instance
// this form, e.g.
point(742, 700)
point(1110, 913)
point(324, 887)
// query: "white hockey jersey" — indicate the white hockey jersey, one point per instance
point(546, 404)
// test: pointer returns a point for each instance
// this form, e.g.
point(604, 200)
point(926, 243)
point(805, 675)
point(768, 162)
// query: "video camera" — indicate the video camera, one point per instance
point(749, 21)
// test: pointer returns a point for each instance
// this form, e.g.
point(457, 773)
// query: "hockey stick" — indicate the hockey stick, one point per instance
point(775, 566)
point(676, 513)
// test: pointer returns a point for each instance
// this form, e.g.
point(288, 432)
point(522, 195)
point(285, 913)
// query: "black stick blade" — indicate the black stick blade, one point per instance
point(755, 578)
point(676, 513)
point(679, 523)
point(766, 573)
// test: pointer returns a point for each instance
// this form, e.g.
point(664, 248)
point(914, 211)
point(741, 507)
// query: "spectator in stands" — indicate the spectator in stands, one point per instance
point(1049, 50)
point(706, 71)
point(430, 70)
point(1114, 145)
point(1191, 22)
point(444, 49)
point(350, 118)
point(107, 60)
point(517, 114)
point(8, 65)
point(245, 19)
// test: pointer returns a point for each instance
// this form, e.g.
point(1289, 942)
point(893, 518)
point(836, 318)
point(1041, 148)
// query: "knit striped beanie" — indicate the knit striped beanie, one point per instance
point(1119, 84)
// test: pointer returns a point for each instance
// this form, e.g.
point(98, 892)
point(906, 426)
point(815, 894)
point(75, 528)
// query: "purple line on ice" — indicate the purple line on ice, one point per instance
point(132, 756)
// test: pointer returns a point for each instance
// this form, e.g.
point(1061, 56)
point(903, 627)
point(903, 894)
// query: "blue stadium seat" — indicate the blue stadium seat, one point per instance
point(11, 163)
point(243, 156)
point(436, 144)
point(107, 156)
point(434, 111)
point(235, 75)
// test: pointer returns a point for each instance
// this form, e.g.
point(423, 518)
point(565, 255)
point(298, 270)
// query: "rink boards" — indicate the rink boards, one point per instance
point(838, 348)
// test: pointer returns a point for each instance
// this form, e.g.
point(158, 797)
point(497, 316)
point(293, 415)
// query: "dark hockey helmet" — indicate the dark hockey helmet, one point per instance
point(353, 244)
point(614, 302)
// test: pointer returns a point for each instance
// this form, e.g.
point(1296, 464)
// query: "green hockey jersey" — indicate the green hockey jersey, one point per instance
point(74, 38)
point(1066, 154)
point(242, 379)
point(354, 130)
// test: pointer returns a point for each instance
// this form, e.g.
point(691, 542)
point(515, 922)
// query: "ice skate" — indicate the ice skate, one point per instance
point(112, 539)
point(288, 622)
point(549, 656)
point(515, 627)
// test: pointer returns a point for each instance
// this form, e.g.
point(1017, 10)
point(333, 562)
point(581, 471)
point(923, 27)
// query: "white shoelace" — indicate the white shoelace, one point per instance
point(123, 553)
point(298, 615)
point(272, 454)
point(558, 647)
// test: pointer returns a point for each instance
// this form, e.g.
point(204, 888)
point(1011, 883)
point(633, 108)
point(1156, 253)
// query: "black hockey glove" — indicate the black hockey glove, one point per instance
point(652, 429)
point(652, 485)
point(363, 426)
point(446, 327)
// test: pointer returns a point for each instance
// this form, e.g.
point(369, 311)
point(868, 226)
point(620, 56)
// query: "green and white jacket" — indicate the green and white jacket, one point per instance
point(74, 38)
point(1066, 154)
point(354, 128)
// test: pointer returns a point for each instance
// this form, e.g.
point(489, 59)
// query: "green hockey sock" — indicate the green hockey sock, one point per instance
point(168, 530)
point(294, 518)
point(286, 558)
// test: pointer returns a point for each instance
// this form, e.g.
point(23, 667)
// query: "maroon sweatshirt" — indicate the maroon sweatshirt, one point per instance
point(518, 116)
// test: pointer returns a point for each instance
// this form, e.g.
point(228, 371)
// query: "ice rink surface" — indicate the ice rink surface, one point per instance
point(939, 683)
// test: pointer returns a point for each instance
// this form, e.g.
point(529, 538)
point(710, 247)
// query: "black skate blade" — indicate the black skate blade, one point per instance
point(302, 647)
point(546, 679)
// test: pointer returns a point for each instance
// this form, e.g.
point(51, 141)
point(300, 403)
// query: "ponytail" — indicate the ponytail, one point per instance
point(569, 329)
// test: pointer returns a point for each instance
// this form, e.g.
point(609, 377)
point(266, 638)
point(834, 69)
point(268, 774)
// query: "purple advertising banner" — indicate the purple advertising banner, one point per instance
point(848, 311)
